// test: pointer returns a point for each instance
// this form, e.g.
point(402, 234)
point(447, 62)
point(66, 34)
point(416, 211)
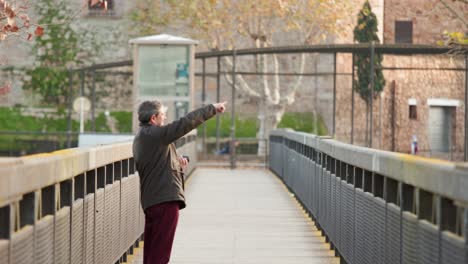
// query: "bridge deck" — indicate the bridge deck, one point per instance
point(244, 216)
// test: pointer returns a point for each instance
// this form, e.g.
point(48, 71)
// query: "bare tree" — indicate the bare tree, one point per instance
point(227, 24)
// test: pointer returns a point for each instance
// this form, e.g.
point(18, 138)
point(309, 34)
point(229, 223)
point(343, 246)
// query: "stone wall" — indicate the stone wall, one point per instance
point(432, 77)
point(430, 19)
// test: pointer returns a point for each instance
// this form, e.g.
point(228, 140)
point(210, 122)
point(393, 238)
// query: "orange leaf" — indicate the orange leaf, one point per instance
point(39, 31)
point(14, 29)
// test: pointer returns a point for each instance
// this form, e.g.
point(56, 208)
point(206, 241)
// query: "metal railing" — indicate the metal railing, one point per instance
point(77, 205)
point(375, 206)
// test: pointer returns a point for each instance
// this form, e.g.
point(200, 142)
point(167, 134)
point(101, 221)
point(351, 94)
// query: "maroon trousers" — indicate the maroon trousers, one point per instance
point(160, 226)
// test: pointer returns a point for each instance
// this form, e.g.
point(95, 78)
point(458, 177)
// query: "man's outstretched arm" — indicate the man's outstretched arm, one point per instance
point(184, 125)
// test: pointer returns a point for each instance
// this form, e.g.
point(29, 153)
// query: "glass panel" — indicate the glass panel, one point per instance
point(163, 71)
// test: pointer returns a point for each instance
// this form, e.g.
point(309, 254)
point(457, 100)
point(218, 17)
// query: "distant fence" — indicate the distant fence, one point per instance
point(73, 206)
point(376, 206)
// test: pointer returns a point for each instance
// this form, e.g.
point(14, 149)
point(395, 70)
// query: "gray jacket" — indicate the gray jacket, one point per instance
point(157, 163)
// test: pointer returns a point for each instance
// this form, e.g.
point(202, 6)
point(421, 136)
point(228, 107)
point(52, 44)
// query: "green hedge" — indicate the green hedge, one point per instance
point(303, 122)
point(11, 119)
point(246, 127)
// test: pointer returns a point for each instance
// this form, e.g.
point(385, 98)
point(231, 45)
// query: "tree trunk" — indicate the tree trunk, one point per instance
point(269, 118)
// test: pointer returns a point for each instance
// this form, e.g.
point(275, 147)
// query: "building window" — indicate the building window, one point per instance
point(404, 32)
point(413, 114)
point(101, 8)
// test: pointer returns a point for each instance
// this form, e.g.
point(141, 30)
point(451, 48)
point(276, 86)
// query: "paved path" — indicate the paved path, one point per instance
point(244, 217)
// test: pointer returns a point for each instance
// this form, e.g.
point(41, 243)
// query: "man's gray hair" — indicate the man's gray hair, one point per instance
point(149, 108)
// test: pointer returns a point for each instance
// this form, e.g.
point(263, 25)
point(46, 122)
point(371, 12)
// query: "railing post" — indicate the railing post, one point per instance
point(218, 87)
point(203, 104)
point(334, 94)
point(93, 100)
point(233, 114)
point(352, 102)
point(69, 102)
point(466, 111)
point(372, 50)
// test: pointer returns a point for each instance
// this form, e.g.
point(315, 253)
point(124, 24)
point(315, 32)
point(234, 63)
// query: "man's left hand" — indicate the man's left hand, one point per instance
point(183, 162)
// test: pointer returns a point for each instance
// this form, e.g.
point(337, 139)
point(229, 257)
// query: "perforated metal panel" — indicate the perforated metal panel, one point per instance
point(99, 256)
point(349, 222)
point(310, 169)
point(428, 242)
point(77, 227)
point(135, 208)
point(4, 248)
point(326, 200)
point(361, 227)
point(338, 212)
point(303, 182)
point(62, 235)
point(332, 214)
point(107, 245)
point(22, 246)
point(115, 221)
point(314, 189)
point(377, 239)
point(44, 240)
point(328, 205)
point(321, 196)
point(410, 236)
point(392, 234)
point(89, 228)
point(453, 249)
point(123, 213)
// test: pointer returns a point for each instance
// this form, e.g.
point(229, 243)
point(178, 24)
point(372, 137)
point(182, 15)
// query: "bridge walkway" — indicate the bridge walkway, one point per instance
point(244, 216)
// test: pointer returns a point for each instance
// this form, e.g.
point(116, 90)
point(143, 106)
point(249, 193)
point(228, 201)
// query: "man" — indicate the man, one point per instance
point(160, 171)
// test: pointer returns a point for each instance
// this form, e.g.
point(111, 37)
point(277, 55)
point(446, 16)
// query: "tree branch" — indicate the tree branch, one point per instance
point(450, 8)
point(276, 92)
point(243, 87)
point(289, 98)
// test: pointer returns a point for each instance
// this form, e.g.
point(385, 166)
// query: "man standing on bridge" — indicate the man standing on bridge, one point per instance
point(161, 173)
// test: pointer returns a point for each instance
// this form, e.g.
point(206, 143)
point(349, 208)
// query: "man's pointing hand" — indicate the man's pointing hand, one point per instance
point(220, 107)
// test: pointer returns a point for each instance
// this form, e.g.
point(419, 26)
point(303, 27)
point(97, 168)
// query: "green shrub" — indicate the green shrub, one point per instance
point(302, 122)
point(124, 121)
point(246, 127)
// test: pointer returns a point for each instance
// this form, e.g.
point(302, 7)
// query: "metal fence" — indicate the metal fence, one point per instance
point(375, 206)
point(73, 206)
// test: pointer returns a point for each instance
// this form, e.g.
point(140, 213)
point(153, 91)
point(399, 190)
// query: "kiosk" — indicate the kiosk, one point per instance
point(163, 70)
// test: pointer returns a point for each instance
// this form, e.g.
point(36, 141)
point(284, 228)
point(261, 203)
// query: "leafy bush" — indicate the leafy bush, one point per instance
point(124, 121)
point(246, 127)
point(303, 122)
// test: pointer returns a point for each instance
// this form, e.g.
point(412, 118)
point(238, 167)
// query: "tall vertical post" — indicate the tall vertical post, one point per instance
point(69, 102)
point(233, 114)
point(372, 50)
point(352, 101)
point(466, 108)
point(82, 121)
point(334, 94)
point(218, 87)
point(93, 100)
point(203, 103)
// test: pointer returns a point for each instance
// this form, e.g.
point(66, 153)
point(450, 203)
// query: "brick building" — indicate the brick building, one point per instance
point(424, 94)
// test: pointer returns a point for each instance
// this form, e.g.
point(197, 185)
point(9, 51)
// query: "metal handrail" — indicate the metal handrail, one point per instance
point(375, 205)
point(73, 205)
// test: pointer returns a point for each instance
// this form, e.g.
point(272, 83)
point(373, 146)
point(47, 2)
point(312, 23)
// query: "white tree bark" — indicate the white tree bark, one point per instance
point(272, 99)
